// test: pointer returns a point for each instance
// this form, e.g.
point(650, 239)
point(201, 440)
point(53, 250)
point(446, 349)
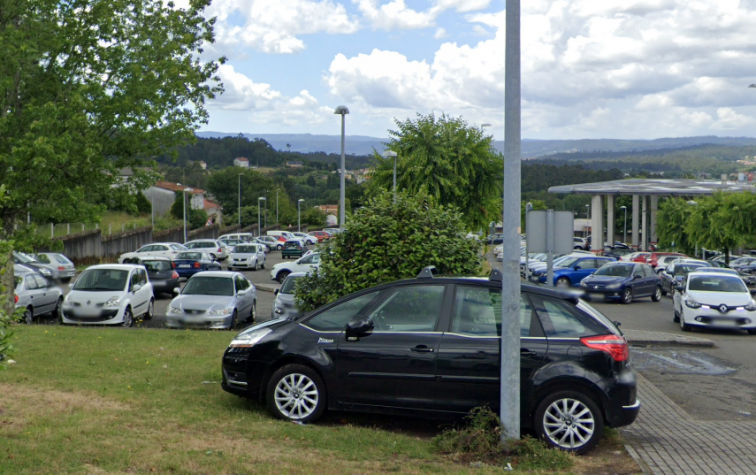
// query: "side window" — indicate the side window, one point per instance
point(561, 320)
point(161, 248)
point(587, 263)
point(648, 271)
point(147, 249)
point(307, 260)
point(316, 258)
point(477, 312)
point(414, 308)
point(601, 263)
point(638, 270)
point(143, 277)
point(41, 282)
point(43, 258)
point(31, 284)
point(239, 283)
point(134, 279)
point(337, 317)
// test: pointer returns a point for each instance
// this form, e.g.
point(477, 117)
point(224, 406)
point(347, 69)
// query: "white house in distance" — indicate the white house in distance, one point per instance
point(241, 162)
point(163, 194)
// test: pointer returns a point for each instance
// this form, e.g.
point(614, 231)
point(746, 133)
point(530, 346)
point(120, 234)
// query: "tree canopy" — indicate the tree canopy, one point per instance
point(448, 160)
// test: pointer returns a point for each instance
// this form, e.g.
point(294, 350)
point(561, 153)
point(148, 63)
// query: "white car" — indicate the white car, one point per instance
point(306, 238)
point(210, 246)
point(109, 294)
point(714, 300)
point(303, 264)
point(162, 249)
point(247, 256)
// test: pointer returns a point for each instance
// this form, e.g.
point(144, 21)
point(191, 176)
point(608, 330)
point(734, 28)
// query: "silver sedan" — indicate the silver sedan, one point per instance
point(215, 300)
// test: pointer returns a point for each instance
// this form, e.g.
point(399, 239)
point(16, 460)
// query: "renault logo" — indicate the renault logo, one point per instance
point(723, 308)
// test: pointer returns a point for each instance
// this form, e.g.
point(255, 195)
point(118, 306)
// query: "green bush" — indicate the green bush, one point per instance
point(481, 435)
point(6, 317)
point(387, 241)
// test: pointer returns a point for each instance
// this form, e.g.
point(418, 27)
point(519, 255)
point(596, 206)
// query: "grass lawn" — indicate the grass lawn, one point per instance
point(116, 401)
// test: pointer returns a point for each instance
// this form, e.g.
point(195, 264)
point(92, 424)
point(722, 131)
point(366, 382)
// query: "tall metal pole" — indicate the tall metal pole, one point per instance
point(299, 219)
point(276, 205)
point(510, 285)
point(184, 200)
point(342, 191)
point(240, 200)
point(624, 235)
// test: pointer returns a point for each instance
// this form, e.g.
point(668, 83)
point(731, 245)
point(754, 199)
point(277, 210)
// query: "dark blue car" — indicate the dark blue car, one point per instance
point(623, 281)
point(189, 263)
point(574, 269)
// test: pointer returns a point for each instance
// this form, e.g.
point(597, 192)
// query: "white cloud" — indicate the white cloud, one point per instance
point(729, 119)
point(396, 15)
point(440, 33)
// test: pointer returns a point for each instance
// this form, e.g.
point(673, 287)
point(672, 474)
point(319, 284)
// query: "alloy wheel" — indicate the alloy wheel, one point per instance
point(296, 396)
point(568, 423)
point(128, 318)
point(28, 316)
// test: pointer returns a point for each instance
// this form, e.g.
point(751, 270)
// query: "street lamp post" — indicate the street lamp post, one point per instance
point(694, 203)
point(587, 217)
point(259, 228)
point(186, 190)
point(240, 175)
point(299, 216)
point(392, 154)
point(276, 205)
point(342, 111)
point(624, 236)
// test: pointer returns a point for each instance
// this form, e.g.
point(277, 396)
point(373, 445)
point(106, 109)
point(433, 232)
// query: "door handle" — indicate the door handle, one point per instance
point(422, 349)
point(526, 352)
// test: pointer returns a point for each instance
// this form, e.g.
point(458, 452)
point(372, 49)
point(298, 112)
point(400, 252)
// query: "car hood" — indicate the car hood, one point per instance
point(202, 302)
point(243, 254)
point(604, 279)
point(86, 296)
point(719, 298)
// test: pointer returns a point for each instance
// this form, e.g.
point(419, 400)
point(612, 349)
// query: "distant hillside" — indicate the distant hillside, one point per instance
point(364, 145)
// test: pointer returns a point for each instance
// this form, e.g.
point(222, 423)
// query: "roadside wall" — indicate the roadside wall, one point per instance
point(127, 241)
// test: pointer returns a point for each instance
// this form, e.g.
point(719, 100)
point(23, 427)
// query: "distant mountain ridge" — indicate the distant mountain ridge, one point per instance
point(365, 145)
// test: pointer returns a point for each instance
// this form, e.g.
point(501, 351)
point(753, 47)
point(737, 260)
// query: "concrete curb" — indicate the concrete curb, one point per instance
point(646, 338)
point(638, 461)
point(266, 287)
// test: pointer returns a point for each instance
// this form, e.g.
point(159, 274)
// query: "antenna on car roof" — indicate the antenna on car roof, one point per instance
point(495, 275)
point(427, 273)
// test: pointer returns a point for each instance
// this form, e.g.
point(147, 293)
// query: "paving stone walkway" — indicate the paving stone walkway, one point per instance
point(641, 337)
point(666, 440)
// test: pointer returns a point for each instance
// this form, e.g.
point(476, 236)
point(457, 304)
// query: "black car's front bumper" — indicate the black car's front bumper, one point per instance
point(243, 377)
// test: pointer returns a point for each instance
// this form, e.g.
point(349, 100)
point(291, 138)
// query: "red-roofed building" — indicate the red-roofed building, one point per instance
point(162, 195)
point(241, 162)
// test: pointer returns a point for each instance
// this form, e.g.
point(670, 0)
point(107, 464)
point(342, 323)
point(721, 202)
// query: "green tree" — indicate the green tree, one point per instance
point(314, 217)
point(723, 221)
point(671, 229)
point(452, 162)
point(224, 185)
point(386, 241)
point(91, 86)
point(195, 218)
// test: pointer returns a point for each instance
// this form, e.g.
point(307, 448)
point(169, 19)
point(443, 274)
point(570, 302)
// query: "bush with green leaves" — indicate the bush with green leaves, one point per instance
point(6, 318)
point(387, 241)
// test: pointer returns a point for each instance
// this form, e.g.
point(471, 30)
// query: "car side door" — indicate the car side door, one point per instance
point(650, 278)
point(47, 298)
point(582, 269)
point(34, 293)
point(244, 297)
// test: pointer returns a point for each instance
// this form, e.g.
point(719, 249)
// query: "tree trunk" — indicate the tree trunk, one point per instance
point(7, 278)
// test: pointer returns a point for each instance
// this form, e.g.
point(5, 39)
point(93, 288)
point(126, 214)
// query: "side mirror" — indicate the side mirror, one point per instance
point(70, 286)
point(359, 326)
point(136, 288)
point(241, 293)
point(753, 291)
point(275, 292)
point(636, 277)
point(680, 288)
point(577, 268)
point(176, 290)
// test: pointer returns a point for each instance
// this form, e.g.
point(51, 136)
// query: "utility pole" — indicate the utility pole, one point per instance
point(277, 206)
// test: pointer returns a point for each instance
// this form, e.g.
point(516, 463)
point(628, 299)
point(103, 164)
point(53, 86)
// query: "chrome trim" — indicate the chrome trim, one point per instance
point(636, 405)
point(237, 383)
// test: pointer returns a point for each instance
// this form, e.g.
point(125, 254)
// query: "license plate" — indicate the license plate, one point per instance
point(184, 266)
point(596, 295)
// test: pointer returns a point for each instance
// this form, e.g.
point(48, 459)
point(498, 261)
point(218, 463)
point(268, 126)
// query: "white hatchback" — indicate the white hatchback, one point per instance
point(303, 264)
point(247, 256)
point(716, 300)
point(109, 294)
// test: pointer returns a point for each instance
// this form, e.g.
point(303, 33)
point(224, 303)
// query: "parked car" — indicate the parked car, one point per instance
point(213, 300)
point(280, 235)
point(571, 271)
point(163, 277)
point(210, 246)
point(45, 270)
point(35, 294)
point(496, 238)
point(285, 305)
point(623, 281)
point(580, 243)
point(247, 256)
point(320, 235)
point(61, 267)
point(303, 264)
point(653, 260)
point(271, 242)
point(240, 237)
point(266, 245)
point(333, 231)
point(635, 255)
point(714, 300)
point(574, 361)
point(306, 238)
point(747, 274)
point(675, 273)
point(664, 261)
point(230, 243)
point(109, 294)
point(164, 249)
point(188, 263)
point(293, 248)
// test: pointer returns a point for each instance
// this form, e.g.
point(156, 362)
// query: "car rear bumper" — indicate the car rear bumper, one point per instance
point(621, 405)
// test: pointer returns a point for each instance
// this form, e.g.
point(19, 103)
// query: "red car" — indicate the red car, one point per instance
point(653, 260)
point(641, 257)
point(321, 235)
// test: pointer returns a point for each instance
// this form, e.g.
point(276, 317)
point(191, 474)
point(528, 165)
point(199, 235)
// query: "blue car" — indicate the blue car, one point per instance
point(574, 269)
point(188, 263)
point(624, 281)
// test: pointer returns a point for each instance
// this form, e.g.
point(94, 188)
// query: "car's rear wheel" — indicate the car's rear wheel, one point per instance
point(570, 421)
point(676, 318)
point(58, 310)
point(28, 317)
point(563, 282)
point(296, 392)
point(657, 294)
point(128, 318)
point(282, 276)
point(627, 296)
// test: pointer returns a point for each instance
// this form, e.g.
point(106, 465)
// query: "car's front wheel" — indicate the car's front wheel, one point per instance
point(282, 276)
point(570, 421)
point(627, 296)
point(656, 297)
point(28, 317)
point(150, 310)
point(563, 282)
point(128, 318)
point(684, 326)
point(296, 392)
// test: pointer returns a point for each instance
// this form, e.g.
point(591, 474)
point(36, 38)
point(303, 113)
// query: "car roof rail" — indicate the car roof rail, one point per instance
point(427, 273)
point(495, 275)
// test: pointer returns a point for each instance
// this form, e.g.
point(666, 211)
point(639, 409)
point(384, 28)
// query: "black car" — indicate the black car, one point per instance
point(497, 238)
point(430, 347)
point(163, 277)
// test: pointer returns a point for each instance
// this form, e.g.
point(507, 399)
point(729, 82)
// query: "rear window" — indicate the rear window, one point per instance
point(292, 244)
point(156, 266)
point(188, 256)
point(195, 245)
point(62, 259)
point(561, 319)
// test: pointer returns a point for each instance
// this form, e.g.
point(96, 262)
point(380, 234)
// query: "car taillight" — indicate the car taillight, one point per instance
point(220, 250)
point(197, 265)
point(16, 298)
point(61, 268)
point(173, 265)
point(174, 275)
point(615, 345)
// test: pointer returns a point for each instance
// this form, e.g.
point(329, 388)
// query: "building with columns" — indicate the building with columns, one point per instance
point(645, 195)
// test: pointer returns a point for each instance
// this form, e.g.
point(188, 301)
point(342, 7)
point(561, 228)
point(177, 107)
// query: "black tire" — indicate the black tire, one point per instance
point(309, 394)
point(589, 426)
point(663, 292)
point(65, 280)
point(282, 276)
point(58, 310)
point(150, 310)
point(28, 317)
point(234, 320)
point(262, 266)
point(657, 295)
point(563, 282)
point(128, 318)
point(627, 296)
point(230, 269)
point(676, 317)
point(253, 313)
point(752, 332)
point(684, 326)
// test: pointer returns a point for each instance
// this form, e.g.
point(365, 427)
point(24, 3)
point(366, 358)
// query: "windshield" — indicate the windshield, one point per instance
point(188, 256)
point(245, 249)
point(155, 266)
point(223, 286)
point(685, 269)
point(716, 283)
point(102, 280)
point(195, 245)
point(567, 261)
point(288, 286)
point(23, 258)
point(615, 271)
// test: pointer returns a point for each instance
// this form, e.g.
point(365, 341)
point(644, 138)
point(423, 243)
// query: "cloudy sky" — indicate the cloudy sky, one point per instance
point(590, 69)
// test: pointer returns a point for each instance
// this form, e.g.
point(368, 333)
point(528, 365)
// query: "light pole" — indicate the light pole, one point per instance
point(266, 208)
point(392, 154)
point(694, 203)
point(259, 227)
point(587, 217)
point(624, 236)
point(342, 111)
point(276, 205)
point(299, 216)
point(186, 190)
point(240, 175)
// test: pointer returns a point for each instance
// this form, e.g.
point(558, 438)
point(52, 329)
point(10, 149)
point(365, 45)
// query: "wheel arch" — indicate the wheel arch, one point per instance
point(568, 384)
point(286, 360)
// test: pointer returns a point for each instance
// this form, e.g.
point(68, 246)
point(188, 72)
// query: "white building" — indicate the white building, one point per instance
point(241, 162)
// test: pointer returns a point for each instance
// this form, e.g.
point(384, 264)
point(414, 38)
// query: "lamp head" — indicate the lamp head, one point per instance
point(389, 154)
point(341, 110)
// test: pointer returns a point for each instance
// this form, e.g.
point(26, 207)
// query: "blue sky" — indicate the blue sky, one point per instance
point(591, 68)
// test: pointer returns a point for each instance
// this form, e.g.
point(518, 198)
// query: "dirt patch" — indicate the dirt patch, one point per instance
point(38, 401)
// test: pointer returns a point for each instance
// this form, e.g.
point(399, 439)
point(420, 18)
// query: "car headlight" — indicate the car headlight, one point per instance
point(223, 311)
point(583, 284)
point(751, 307)
point(691, 303)
point(174, 310)
point(248, 340)
point(113, 302)
point(614, 286)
